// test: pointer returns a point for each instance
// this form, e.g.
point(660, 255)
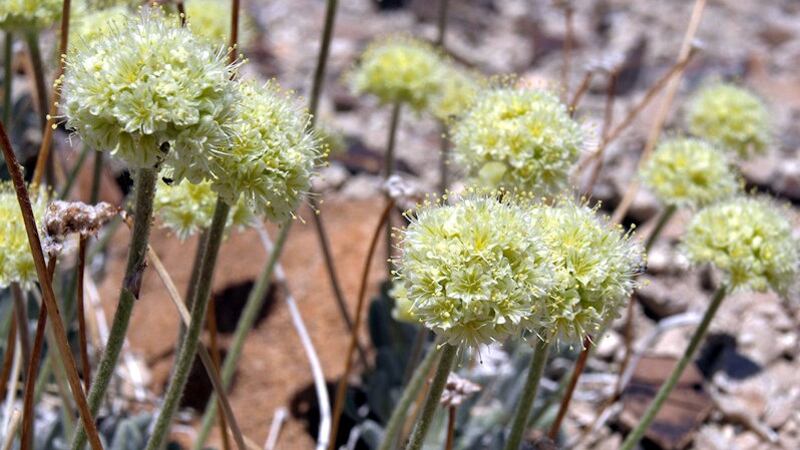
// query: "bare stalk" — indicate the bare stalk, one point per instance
point(341, 389)
point(525, 404)
point(47, 138)
point(446, 362)
point(8, 76)
point(47, 290)
point(81, 313)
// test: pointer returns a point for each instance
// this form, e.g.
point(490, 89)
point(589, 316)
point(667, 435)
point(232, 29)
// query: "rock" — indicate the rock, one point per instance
point(775, 34)
point(713, 437)
point(331, 177)
point(787, 179)
point(667, 296)
point(362, 187)
point(608, 345)
point(645, 206)
point(682, 413)
point(671, 343)
point(781, 407)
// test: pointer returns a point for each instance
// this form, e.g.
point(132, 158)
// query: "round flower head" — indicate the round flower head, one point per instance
point(88, 25)
point(273, 155)
point(28, 15)
point(689, 172)
point(16, 261)
point(211, 20)
point(457, 91)
point(749, 240)
point(399, 70)
point(595, 268)
point(517, 139)
point(187, 208)
point(473, 271)
point(732, 117)
point(151, 88)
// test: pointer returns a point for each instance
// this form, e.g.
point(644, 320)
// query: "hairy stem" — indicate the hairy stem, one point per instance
point(39, 84)
point(637, 433)
point(444, 156)
point(388, 170)
point(255, 300)
point(525, 404)
point(441, 25)
point(188, 350)
point(145, 188)
point(81, 313)
point(97, 178)
point(446, 361)
point(412, 389)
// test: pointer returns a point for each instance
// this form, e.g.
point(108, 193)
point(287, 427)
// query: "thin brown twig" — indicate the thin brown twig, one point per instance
point(21, 318)
point(8, 359)
point(84, 347)
point(341, 389)
point(26, 439)
point(211, 324)
point(234, 41)
point(579, 93)
point(47, 290)
point(663, 111)
point(451, 427)
point(634, 112)
point(47, 138)
point(580, 364)
point(205, 357)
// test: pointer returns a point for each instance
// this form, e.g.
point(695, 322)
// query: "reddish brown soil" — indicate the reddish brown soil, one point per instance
point(273, 367)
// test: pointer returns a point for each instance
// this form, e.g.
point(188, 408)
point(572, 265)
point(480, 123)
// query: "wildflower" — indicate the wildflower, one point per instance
point(211, 20)
point(150, 89)
point(399, 70)
point(88, 25)
point(517, 139)
point(458, 89)
point(16, 260)
point(689, 172)
point(472, 271)
point(749, 240)
point(595, 266)
point(732, 117)
point(273, 155)
point(28, 15)
point(187, 208)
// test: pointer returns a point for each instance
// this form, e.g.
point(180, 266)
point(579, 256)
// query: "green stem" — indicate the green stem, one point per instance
point(636, 435)
point(434, 396)
point(322, 59)
point(444, 155)
point(255, 300)
point(663, 218)
point(525, 404)
point(145, 189)
point(188, 350)
point(388, 170)
point(199, 253)
point(441, 30)
point(97, 176)
point(38, 76)
point(412, 389)
point(8, 77)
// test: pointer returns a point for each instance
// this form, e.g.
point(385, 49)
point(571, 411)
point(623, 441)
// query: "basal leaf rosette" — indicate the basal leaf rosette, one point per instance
point(596, 264)
point(518, 139)
point(151, 88)
point(690, 173)
point(29, 15)
point(273, 155)
point(473, 271)
point(187, 208)
point(749, 240)
point(732, 117)
point(399, 69)
point(16, 260)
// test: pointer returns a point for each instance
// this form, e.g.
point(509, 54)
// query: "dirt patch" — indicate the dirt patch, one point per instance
point(273, 367)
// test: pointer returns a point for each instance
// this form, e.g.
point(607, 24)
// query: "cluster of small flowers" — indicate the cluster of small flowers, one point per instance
point(518, 139)
point(28, 15)
point(749, 240)
point(689, 173)
point(16, 260)
point(731, 117)
point(484, 269)
point(156, 95)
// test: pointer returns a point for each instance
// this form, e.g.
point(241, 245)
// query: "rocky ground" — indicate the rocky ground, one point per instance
point(746, 394)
